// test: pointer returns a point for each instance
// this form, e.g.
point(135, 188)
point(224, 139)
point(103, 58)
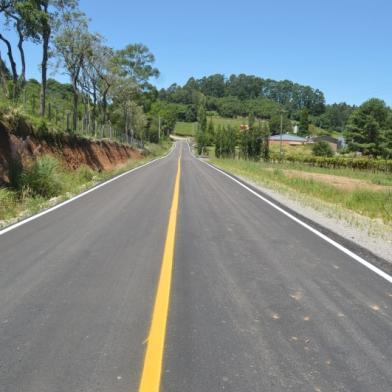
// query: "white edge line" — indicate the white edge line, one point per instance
point(348, 252)
point(64, 203)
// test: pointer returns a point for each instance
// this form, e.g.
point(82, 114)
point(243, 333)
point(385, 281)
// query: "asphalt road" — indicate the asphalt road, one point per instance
point(258, 303)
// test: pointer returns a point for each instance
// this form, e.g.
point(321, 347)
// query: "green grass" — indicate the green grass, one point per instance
point(185, 129)
point(373, 204)
point(294, 151)
point(224, 122)
point(156, 150)
point(189, 129)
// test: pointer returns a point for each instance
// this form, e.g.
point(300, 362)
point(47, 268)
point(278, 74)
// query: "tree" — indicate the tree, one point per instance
point(136, 63)
point(73, 45)
point(251, 141)
point(335, 116)
point(366, 127)
point(386, 143)
point(202, 136)
point(5, 76)
point(20, 16)
point(275, 124)
point(265, 131)
point(322, 149)
point(167, 113)
point(225, 141)
point(48, 16)
point(304, 122)
point(97, 77)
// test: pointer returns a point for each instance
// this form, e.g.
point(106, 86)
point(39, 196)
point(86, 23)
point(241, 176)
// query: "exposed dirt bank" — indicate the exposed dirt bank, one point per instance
point(73, 151)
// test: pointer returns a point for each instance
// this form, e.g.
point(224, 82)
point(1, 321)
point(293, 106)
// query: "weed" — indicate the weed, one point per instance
point(43, 177)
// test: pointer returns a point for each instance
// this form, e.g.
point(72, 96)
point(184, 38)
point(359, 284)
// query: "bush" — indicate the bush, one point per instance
point(15, 171)
point(43, 178)
point(7, 203)
point(85, 174)
point(322, 149)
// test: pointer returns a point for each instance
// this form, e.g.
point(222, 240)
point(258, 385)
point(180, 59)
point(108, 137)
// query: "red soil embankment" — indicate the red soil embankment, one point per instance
point(71, 150)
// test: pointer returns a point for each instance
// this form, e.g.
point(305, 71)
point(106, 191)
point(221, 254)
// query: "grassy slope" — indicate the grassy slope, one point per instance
point(373, 204)
point(185, 129)
point(234, 122)
point(189, 129)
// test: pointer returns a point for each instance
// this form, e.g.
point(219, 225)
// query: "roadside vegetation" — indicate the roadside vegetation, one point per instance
point(373, 203)
point(47, 182)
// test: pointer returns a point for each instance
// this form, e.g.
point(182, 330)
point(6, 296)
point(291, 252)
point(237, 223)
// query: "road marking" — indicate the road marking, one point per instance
point(57, 206)
point(152, 369)
point(343, 249)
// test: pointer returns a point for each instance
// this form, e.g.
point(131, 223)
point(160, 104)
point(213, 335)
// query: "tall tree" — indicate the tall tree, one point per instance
point(73, 45)
point(18, 15)
point(365, 127)
point(304, 122)
point(48, 16)
point(202, 137)
point(136, 62)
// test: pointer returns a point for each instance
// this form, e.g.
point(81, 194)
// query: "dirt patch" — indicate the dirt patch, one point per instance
point(346, 183)
point(72, 151)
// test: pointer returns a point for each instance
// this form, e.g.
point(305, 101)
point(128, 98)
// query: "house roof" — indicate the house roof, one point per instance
point(325, 138)
point(288, 137)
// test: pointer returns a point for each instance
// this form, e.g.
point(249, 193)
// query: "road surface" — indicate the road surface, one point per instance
point(258, 302)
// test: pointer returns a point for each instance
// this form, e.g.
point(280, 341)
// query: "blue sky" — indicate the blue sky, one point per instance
point(342, 47)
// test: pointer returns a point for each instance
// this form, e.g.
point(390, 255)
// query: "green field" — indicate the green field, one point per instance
point(185, 128)
point(189, 129)
point(234, 122)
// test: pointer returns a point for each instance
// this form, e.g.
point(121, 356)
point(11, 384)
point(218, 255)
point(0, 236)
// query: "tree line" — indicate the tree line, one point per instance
point(291, 95)
point(243, 95)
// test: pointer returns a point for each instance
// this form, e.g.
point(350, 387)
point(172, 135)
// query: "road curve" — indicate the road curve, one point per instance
point(258, 303)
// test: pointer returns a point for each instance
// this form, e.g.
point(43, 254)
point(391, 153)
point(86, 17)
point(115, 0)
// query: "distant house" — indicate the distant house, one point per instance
point(288, 139)
point(333, 142)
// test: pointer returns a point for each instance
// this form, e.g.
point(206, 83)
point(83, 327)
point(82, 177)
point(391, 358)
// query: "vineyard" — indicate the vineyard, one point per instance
point(359, 163)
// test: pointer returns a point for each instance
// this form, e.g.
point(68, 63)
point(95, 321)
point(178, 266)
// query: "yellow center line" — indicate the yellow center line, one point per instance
point(152, 369)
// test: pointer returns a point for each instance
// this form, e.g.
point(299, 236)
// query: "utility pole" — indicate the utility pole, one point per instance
point(159, 129)
point(281, 135)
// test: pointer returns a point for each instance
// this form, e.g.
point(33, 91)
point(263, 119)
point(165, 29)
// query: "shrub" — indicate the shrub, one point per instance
point(43, 177)
point(15, 171)
point(85, 174)
point(322, 149)
point(7, 203)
